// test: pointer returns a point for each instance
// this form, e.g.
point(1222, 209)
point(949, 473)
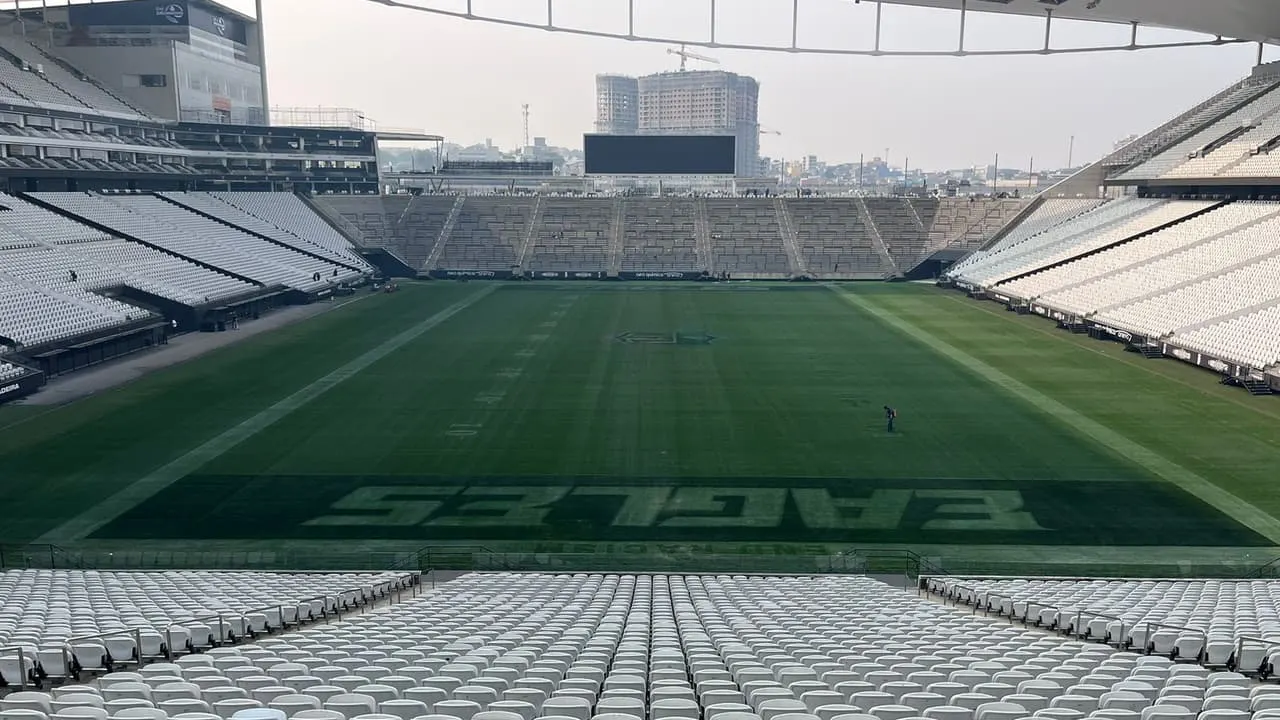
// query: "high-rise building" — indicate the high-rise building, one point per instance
point(684, 103)
point(617, 105)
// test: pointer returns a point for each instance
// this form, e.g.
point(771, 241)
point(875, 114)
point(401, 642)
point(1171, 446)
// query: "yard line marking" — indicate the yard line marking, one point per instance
point(1227, 503)
point(130, 496)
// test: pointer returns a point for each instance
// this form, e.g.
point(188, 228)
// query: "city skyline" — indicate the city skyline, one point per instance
point(469, 80)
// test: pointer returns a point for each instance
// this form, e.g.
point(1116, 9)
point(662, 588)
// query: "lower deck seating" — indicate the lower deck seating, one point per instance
point(504, 646)
point(9, 371)
point(833, 239)
point(46, 611)
point(487, 234)
point(573, 234)
point(660, 234)
point(746, 237)
point(1205, 618)
point(407, 225)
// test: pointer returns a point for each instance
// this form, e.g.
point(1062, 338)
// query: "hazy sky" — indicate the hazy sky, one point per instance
point(467, 80)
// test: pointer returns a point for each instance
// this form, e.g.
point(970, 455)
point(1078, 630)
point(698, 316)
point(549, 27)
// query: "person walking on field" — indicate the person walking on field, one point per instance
point(890, 416)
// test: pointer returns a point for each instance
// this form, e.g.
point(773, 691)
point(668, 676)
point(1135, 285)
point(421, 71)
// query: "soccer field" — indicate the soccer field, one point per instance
point(613, 418)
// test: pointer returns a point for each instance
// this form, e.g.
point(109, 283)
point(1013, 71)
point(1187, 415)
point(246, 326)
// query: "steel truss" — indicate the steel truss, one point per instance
point(709, 41)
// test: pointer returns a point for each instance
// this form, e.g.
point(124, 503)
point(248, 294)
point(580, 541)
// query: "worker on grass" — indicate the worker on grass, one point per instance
point(890, 415)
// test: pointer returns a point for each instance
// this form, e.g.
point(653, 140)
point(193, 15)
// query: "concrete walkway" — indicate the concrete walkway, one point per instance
point(181, 348)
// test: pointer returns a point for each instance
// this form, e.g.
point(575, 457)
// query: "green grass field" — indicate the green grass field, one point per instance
point(613, 418)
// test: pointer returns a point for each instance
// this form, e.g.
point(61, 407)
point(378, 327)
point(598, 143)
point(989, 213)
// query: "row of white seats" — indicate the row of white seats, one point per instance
point(1220, 296)
point(1189, 618)
point(1179, 154)
point(1252, 340)
point(211, 204)
point(658, 647)
point(44, 610)
point(289, 213)
point(1050, 214)
point(1021, 256)
point(287, 267)
point(9, 371)
point(1221, 221)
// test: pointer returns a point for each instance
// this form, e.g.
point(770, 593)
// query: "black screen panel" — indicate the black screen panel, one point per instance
point(659, 154)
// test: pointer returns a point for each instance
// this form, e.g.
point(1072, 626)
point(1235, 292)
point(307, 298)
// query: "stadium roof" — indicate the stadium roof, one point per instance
point(1257, 20)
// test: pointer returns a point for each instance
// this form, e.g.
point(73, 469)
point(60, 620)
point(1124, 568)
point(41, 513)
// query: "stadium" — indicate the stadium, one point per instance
point(286, 435)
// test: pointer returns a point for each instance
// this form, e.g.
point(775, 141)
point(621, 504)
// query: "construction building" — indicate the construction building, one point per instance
point(684, 103)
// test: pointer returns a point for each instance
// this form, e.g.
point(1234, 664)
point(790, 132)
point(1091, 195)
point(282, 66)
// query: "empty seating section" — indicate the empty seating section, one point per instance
point(904, 226)
point(210, 205)
point(85, 91)
point(660, 234)
point(1049, 215)
point(46, 611)
point(160, 223)
point(1214, 613)
point(1170, 132)
point(35, 222)
point(833, 239)
point(746, 238)
point(33, 316)
point(404, 224)
point(655, 647)
point(292, 215)
point(288, 266)
point(1169, 162)
point(9, 371)
point(1251, 339)
point(967, 223)
point(1109, 223)
point(1222, 220)
point(1216, 297)
point(162, 274)
point(487, 234)
point(28, 85)
point(1201, 260)
point(573, 234)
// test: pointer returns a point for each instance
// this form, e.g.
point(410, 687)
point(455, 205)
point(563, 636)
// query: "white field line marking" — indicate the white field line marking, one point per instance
point(504, 379)
point(1230, 505)
point(130, 496)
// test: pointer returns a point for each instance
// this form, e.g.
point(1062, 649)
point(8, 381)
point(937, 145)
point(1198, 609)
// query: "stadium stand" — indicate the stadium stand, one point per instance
point(68, 83)
point(660, 235)
point(833, 240)
point(966, 224)
point(211, 206)
point(1204, 620)
point(1207, 151)
point(174, 229)
point(573, 234)
point(903, 225)
point(291, 214)
point(505, 647)
point(746, 238)
point(1108, 224)
point(408, 225)
point(9, 371)
point(488, 234)
point(1144, 147)
point(86, 616)
point(1049, 215)
point(1052, 285)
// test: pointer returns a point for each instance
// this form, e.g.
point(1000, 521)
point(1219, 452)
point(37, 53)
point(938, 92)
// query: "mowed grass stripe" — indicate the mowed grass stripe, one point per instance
point(1246, 513)
point(85, 523)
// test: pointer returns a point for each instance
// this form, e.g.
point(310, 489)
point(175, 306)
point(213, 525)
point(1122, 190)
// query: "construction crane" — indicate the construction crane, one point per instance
point(686, 56)
point(767, 131)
